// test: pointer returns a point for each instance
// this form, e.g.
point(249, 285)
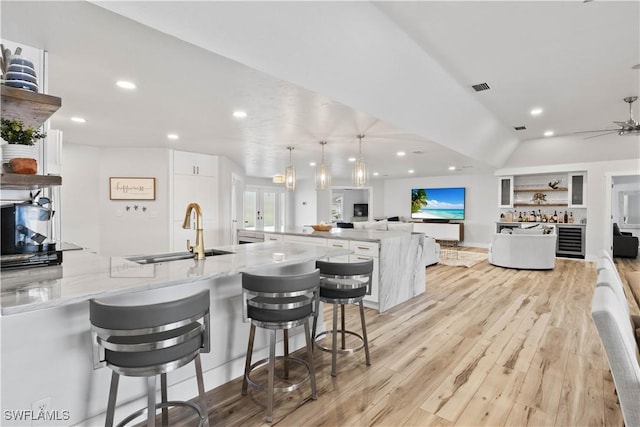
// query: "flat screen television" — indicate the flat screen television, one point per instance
point(437, 203)
point(361, 209)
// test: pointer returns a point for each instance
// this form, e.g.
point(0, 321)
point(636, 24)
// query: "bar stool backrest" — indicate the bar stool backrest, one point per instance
point(345, 276)
point(144, 340)
point(279, 299)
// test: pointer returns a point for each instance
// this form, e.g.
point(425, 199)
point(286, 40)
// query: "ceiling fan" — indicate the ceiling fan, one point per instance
point(629, 127)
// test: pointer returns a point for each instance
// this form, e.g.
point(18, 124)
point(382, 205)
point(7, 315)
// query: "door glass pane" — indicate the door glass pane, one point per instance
point(505, 192)
point(269, 200)
point(250, 209)
point(577, 190)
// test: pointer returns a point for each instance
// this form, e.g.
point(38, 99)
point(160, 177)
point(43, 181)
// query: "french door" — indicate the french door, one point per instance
point(264, 208)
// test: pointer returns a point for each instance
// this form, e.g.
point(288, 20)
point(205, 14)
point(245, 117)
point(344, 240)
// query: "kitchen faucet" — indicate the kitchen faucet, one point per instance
point(198, 249)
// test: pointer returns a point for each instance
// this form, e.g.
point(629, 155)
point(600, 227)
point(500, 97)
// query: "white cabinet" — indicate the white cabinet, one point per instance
point(364, 251)
point(314, 241)
point(194, 180)
point(453, 232)
point(505, 191)
point(269, 237)
point(185, 163)
point(338, 244)
point(577, 190)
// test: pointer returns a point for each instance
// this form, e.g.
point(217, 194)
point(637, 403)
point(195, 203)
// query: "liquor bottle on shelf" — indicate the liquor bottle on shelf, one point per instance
point(555, 216)
point(570, 217)
point(519, 216)
point(532, 216)
point(544, 217)
point(566, 217)
point(539, 216)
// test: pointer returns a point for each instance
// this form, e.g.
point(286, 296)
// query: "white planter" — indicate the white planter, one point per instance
point(12, 151)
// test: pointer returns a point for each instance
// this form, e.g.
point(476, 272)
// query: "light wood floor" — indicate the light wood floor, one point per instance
point(483, 346)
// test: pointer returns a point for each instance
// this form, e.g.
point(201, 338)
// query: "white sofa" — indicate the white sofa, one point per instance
point(524, 249)
point(615, 325)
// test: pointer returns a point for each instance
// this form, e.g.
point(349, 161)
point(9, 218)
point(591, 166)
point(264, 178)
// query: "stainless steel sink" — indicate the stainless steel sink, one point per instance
point(174, 256)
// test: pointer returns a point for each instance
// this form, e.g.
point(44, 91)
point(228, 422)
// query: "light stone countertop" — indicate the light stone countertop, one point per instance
point(342, 233)
point(84, 275)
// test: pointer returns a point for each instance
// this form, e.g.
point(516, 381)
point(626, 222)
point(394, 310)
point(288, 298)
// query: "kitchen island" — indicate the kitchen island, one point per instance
point(46, 341)
point(398, 258)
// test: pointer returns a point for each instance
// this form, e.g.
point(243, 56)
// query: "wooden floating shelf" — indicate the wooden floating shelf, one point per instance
point(16, 181)
point(540, 205)
point(32, 108)
point(540, 190)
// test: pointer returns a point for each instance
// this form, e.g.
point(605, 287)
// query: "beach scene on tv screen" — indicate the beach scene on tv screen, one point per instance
point(437, 203)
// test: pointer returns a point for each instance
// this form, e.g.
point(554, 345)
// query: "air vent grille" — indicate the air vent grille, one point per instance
point(480, 87)
point(520, 127)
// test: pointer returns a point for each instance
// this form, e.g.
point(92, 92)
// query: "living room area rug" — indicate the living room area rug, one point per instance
point(457, 258)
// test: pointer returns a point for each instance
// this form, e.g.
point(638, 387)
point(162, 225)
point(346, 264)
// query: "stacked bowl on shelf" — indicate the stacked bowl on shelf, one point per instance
point(21, 74)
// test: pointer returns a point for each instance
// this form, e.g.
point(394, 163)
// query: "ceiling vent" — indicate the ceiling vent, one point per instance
point(520, 127)
point(480, 87)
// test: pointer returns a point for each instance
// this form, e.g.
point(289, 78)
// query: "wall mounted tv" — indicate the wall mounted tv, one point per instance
point(437, 203)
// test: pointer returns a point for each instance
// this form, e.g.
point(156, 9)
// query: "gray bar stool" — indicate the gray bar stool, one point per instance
point(150, 340)
point(343, 283)
point(273, 303)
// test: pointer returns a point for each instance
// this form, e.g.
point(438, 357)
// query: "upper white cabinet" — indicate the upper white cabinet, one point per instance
point(185, 163)
point(505, 191)
point(194, 180)
point(577, 190)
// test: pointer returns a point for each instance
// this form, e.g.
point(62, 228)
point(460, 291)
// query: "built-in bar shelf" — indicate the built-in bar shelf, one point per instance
point(538, 190)
point(32, 108)
point(539, 205)
point(16, 181)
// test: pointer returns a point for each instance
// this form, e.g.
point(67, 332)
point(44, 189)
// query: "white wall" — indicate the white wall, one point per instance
point(481, 202)
point(134, 232)
point(304, 204)
point(80, 201)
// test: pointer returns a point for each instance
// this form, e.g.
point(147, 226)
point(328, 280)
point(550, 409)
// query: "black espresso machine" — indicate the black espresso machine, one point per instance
point(27, 235)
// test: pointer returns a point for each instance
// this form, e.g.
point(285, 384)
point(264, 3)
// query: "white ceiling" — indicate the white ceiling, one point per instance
point(399, 72)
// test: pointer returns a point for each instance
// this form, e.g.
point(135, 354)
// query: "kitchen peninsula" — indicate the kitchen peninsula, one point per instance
point(46, 340)
point(398, 258)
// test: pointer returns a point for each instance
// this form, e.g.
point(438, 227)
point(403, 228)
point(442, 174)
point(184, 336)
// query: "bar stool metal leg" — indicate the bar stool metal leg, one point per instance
point(151, 401)
point(312, 370)
point(342, 324)
point(111, 406)
point(163, 395)
point(286, 353)
point(334, 338)
point(272, 368)
point(247, 364)
point(203, 400)
point(364, 335)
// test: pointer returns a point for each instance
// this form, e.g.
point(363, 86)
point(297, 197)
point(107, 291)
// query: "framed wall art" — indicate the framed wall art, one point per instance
point(127, 188)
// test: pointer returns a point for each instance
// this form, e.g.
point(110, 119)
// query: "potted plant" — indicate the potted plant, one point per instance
point(20, 143)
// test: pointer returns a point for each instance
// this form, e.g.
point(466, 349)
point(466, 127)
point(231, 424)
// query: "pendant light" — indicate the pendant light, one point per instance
point(290, 174)
point(323, 172)
point(360, 168)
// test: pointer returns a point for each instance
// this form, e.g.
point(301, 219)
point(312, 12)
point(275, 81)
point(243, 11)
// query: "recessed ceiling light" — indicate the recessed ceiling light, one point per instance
point(239, 114)
point(125, 84)
point(376, 174)
point(172, 136)
point(548, 133)
point(411, 171)
point(452, 168)
point(400, 153)
point(312, 163)
point(352, 159)
point(536, 111)
point(78, 120)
